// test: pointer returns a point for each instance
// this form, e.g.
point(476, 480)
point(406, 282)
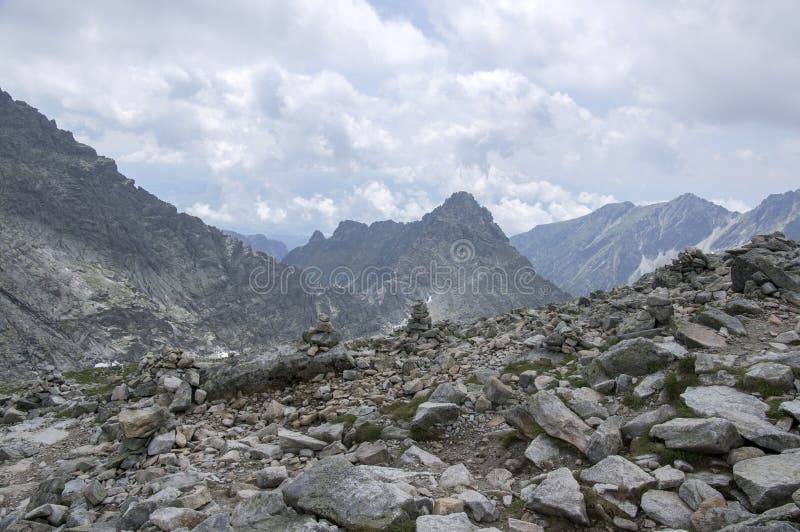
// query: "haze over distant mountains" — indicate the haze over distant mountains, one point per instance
point(94, 268)
point(274, 248)
point(619, 242)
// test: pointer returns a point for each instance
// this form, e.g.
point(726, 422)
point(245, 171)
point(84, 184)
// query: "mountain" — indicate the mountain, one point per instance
point(778, 212)
point(618, 242)
point(457, 244)
point(94, 268)
point(274, 248)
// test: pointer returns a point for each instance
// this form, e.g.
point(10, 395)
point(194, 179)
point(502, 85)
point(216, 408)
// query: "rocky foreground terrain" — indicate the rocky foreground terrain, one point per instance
point(669, 404)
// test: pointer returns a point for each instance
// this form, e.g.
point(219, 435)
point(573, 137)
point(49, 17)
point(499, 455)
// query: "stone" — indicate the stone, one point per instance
point(257, 508)
point(414, 456)
point(703, 435)
point(455, 476)
point(447, 393)
point(195, 499)
point(372, 453)
point(515, 525)
point(559, 421)
point(667, 477)
point(637, 357)
point(559, 494)
point(743, 453)
point(791, 407)
point(694, 491)
point(606, 440)
point(349, 496)
point(161, 443)
point(94, 493)
point(293, 442)
point(216, 523)
point(637, 426)
point(169, 519)
point(743, 306)
point(660, 307)
point(271, 477)
point(708, 401)
point(72, 494)
point(717, 319)
point(778, 377)
point(457, 522)
point(182, 400)
point(497, 392)
point(479, 507)
point(429, 415)
point(143, 422)
point(447, 505)
point(620, 472)
point(769, 480)
point(649, 385)
point(546, 452)
point(54, 513)
point(666, 508)
point(322, 334)
point(695, 335)
point(328, 432)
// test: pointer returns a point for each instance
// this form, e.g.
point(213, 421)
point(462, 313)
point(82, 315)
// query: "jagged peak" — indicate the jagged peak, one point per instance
point(461, 206)
point(316, 236)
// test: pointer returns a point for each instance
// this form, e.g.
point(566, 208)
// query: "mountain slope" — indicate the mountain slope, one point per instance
point(274, 248)
point(619, 242)
point(778, 212)
point(458, 244)
point(94, 268)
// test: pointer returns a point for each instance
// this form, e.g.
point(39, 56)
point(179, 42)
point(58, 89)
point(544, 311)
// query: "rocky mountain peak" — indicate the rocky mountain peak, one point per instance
point(462, 207)
point(316, 237)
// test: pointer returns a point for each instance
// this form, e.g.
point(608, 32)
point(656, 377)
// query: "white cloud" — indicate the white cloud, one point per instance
point(294, 115)
point(732, 204)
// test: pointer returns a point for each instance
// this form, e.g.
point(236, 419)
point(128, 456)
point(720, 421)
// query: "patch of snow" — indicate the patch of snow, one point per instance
point(112, 364)
point(647, 265)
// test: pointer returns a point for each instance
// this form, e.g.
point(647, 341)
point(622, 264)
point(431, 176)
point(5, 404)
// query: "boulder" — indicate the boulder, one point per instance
point(559, 494)
point(143, 422)
point(637, 357)
point(455, 476)
point(169, 519)
point(716, 319)
point(695, 335)
point(703, 435)
point(769, 480)
point(429, 415)
point(559, 421)
point(349, 496)
point(293, 442)
point(478, 506)
point(694, 491)
point(620, 472)
point(707, 401)
point(606, 439)
point(497, 392)
point(447, 393)
point(666, 508)
point(772, 375)
point(637, 426)
point(458, 522)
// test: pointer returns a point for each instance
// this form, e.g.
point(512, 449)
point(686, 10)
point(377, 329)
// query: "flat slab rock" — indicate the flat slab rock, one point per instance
point(637, 357)
point(559, 421)
point(695, 335)
point(620, 472)
point(349, 496)
point(705, 435)
point(770, 480)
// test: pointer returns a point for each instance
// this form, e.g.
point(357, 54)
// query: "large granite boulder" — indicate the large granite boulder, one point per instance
point(559, 421)
point(703, 435)
point(559, 494)
point(637, 357)
point(769, 480)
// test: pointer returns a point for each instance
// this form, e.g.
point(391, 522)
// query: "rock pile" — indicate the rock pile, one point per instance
point(321, 336)
point(551, 418)
point(420, 320)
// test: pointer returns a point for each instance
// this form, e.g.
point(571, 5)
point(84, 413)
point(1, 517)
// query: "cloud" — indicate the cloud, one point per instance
point(732, 204)
point(292, 116)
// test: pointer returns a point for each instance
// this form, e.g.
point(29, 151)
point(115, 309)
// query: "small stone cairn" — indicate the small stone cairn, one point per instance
point(322, 336)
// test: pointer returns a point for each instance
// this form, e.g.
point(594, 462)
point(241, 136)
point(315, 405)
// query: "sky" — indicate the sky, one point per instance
point(285, 117)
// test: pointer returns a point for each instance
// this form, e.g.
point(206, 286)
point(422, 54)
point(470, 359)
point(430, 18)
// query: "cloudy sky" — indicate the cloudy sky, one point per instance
point(283, 117)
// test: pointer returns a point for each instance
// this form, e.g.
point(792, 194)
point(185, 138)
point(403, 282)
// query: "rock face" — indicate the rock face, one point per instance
point(349, 496)
point(459, 237)
point(268, 246)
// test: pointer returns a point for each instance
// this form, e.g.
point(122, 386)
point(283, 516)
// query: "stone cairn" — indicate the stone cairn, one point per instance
point(321, 336)
point(420, 319)
point(421, 335)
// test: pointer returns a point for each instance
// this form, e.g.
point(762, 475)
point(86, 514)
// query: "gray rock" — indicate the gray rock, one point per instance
point(694, 491)
point(161, 443)
point(649, 385)
point(547, 452)
point(54, 513)
point(717, 319)
point(94, 493)
point(169, 518)
point(372, 453)
point(559, 421)
point(447, 393)
point(606, 439)
point(638, 356)
point(328, 432)
point(271, 477)
point(458, 522)
point(414, 456)
point(143, 422)
point(216, 523)
point(694, 335)
point(743, 306)
point(479, 507)
point(292, 442)
point(620, 472)
point(349, 496)
point(667, 477)
point(707, 401)
point(182, 400)
point(559, 494)
point(704, 435)
point(455, 476)
point(637, 426)
point(760, 431)
point(257, 508)
point(666, 508)
point(429, 414)
point(497, 392)
point(769, 480)
point(776, 376)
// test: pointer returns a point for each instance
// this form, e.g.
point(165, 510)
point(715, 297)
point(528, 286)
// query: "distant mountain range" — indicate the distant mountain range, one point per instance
point(94, 268)
point(274, 248)
point(619, 242)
